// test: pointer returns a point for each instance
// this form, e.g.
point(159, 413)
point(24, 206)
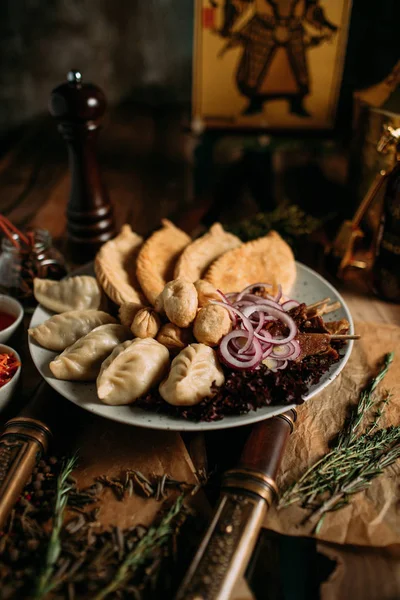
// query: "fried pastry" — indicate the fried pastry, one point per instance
point(198, 256)
point(205, 292)
point(157, 258)
point(146, 323)
point(211, 324)
point(269, 259)
point(174, 338)
point(127, 312)
point(115, 267)
point(179, 299)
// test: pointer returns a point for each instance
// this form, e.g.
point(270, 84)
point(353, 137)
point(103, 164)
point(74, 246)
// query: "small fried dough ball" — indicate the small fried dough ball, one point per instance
point(173, 337)
point(211, 324)
point(180, 302)
point(146, 323)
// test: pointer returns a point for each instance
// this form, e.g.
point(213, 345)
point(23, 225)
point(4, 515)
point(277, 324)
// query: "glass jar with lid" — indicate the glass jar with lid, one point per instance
point(20, 263)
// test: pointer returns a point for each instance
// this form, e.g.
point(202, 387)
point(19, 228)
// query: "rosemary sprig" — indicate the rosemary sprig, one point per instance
point(156, 536)
point(45, 582)
point(364, 405)
point(355, 460)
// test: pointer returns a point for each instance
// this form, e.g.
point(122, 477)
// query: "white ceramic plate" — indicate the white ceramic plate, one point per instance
point(309, 287)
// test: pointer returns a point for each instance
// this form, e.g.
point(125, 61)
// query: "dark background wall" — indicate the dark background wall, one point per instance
point(142, 49)
point(139, 48)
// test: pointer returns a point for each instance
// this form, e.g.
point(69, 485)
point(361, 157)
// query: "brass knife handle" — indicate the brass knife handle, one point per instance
point(22, 443)
point(248, 492)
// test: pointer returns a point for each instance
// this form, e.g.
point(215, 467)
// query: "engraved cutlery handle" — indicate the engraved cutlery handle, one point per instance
point(247, 494)
point(22, 443)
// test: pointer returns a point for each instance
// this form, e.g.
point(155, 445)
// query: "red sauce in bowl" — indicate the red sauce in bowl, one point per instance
point(8, 367)
point(6, 320)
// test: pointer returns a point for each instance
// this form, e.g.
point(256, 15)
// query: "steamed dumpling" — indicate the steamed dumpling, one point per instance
point(63, 330)
point(131, 370)
point(82, 360)
point(74, 293)
point(192, 374)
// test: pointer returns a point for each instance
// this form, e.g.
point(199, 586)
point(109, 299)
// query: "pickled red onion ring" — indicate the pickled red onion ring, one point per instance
point(250, 315)
point(232, 361)
point(249, 289)
point(289, 304)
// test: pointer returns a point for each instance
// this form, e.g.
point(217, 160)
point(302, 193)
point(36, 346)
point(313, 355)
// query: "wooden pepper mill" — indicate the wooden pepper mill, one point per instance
point(78, 108)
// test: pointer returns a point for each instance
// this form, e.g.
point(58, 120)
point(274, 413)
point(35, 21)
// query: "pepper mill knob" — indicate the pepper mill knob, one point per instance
point(78, 108)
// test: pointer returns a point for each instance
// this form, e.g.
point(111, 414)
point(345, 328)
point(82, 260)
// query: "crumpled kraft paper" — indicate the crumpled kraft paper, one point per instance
point(373, 516)
point(367, 573)
point(109, 448)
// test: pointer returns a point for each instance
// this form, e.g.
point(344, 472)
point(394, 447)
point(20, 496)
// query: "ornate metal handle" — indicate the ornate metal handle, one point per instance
point(247, 494)
point(21, 445)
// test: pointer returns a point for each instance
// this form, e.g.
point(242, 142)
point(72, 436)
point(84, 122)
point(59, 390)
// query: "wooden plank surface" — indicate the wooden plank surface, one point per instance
point(146, 163)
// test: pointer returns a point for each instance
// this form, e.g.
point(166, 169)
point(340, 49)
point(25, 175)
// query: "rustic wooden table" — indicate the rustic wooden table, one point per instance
point(146, 159)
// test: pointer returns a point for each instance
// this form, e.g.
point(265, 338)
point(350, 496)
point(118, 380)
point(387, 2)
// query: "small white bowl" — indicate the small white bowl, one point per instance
point(14, 308)
point(7, 390)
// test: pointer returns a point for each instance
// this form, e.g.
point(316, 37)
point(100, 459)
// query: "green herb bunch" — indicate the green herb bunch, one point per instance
point(361, 452)
point(289, 220)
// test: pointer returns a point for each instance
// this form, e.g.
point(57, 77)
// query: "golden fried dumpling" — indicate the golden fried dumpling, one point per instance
point(198, 256)
point(174, 338)
point(211, 324)
point(268, 259)
point(157, 258)
point(73, 293)
point(127, 312)
point(132, 369)
point(205, 292)
point(179, 301)
point(146, 323)
point(115, 267)
point(192, 374)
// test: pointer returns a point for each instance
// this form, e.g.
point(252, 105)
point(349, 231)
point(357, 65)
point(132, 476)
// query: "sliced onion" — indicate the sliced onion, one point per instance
point(297, 350)
point(261, 322)
point(289, 304)
point(264, 306)
point(235, 311)
point(224, 297)
point(240, 305)
point(282, 364)
point(265, 336)
point(282, 316)
point(278, 294)
point(230, 360)
point(250, 342)
point(267, 351)
point(250, 288)
point(271, 363)
point(274, 364)
point(282, 351)
point(231, 296)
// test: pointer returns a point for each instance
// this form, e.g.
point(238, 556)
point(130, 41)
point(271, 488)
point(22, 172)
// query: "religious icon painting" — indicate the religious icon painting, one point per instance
point(274, 64)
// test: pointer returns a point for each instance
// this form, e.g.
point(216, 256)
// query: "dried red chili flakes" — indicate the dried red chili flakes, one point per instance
point(8, 367)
